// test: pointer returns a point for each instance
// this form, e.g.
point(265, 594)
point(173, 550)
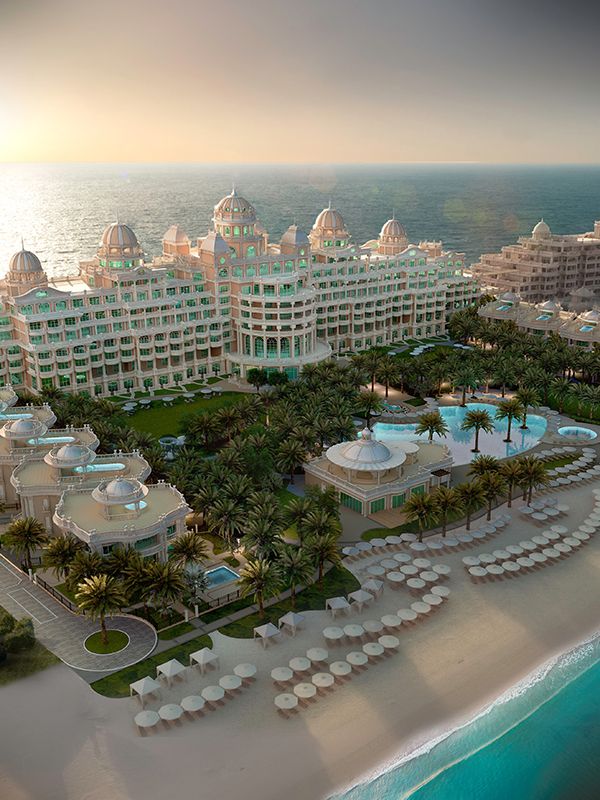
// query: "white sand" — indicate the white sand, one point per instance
point(60, 741)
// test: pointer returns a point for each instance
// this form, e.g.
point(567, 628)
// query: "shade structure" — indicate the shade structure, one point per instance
point(551, 552)
point(317, 654)
point(372, 625)
point(495, 569)
point(415, 583)
point(170, 712)
point(471, 561)
point(528, 545)
point(144, 687)
point(282, 674)
point(396, 577)
point(402, 558)
point(378, 542)
point(391, 621)
point(357, 658)
point(525, 562)
point(477, 572)
point(354, 630)
point(486, 558)
point(363, 547)
point(407, 614)
point(245, 670)
point(442, 569)
point(360, 597)
point(388, 563)
point(305, 690)
point(146, 719)
point(286, 701)
point(203, 658)
point(432, 600)
point(429, 576)
point(441, 591)
point(510, 566)
point(230, 682)
point(291, 621)
point(393, 540)
point(322, 680)
point(376, 570)
point(515, 549)
point(333, 633)
point(373, 649)
point(418, 547)
point(170, 669)
point(389, 642)
point(265, 632)
point(539, 558)
point(422, 563)
point(193, 702)
point(340, 668)
point(501, 555)
point(421, 607)
point(373, 586)
point(409, 569)
point(212, 694)
point(299, 664)
point(335, 604)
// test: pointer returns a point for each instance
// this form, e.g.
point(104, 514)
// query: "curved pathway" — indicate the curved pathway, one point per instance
point(63, 632)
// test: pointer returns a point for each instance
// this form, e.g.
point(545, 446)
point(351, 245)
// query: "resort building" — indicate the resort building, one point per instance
point(375, 479)
point(544, 266)
point(579, 329)
point(228, 302)
point(125, 512)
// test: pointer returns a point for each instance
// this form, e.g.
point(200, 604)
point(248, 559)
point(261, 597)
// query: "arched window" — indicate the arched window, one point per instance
point(285, 347)
point(259, 348)
point(236, 230)
point(296, 345)
point(251, 251)
point(271, 347)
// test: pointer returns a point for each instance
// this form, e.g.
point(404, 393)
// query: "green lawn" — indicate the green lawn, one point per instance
point(219, 545)
point(176, 630)
point(64, 590)
point(415, 401)
point(117, 683)
point(115, 641)
point(163, 421)
point(20, 665)
point(338, 581)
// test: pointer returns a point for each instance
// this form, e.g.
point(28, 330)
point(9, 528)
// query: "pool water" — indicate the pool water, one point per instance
point(575, 432)
point(22, 415)
point(460, 442)
point(220, 575)
point(52, 440)
point(99, 468)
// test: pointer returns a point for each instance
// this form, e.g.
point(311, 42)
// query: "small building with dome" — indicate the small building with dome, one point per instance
point(376, 478)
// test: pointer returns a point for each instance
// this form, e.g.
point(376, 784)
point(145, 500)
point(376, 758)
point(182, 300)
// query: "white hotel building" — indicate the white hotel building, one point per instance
point(232, 301)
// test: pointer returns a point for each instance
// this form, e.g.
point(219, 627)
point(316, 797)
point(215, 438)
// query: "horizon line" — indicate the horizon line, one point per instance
point(314, 163)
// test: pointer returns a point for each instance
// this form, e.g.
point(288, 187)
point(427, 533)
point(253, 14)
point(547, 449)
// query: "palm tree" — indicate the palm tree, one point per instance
point(481, 465)
point(432, 423)
point(592, 398)
point(466, 378)
point(99, 596)
point(322, 548)
point(196, 583)
point(422, 509)
point(296, 568)
point(203, 426)
point(580, 392)
point(320, 521)
point(226, 518)
point(387, 373)
point(477, 420)
point(290, 456)
point(25, 535)
point(370, 363)
point(472, 497)
point(512, 472)
point(229, 421)
point(509, 410)
point(60, 552)
point(503, 374)
point(492, 485)
point(527, 397)
point(367, 403)
point(296, 512)
point(534, 475)
point(120, 561)
point(260, 579)
point(166, 583)
point(85, 565)
point(448, 502)
point(263, 538)
point(561, 391)
point(188, 548)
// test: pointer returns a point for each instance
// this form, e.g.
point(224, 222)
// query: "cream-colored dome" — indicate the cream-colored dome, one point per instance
point(510, 297)
point(215, 243)
point(23, 429)
point(366, 454)
point(234, 207)
point(175, 235)
point(393, 228)
point(591, 316)
point(549, 305)
point(330, 219)
point(120, 491)
point(541, 230)
point(119, 235)
point(25, 261)
point(70, 455)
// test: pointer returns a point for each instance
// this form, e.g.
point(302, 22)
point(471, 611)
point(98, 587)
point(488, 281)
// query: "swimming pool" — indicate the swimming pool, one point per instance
point(52, 440)
point(460, 442)
point(220, 575)
point(99, 468)
point(576, 432)
point(21, 415)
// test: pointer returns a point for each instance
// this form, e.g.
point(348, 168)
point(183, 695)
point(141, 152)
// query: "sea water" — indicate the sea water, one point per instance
point(539, 741)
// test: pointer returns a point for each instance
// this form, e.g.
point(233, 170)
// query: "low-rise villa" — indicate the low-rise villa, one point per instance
point(542, 319)
point(123, 511)
point(373, 478)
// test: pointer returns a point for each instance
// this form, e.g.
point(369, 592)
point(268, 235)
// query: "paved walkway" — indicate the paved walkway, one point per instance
point(63, 632)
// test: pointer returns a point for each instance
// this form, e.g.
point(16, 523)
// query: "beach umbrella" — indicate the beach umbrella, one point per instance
point(146, 719)
point(373, 649)
point(396, 577)
point(323, 680)
point(193, 702)
point(389, 642)
point(286, 701)
point(170, 712)
point(212, 694)
point(230, 682)
point(299, 664)
point(245, 671)
point(305, 690)
point(357, 658)
point(317, 654)
point(354, 631)
point(282, 674)
point(441, 591)
point(340, 668)
point(332, 633)
point(372, 626)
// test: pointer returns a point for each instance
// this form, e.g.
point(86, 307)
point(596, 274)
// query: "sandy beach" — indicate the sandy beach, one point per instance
point(61, 741)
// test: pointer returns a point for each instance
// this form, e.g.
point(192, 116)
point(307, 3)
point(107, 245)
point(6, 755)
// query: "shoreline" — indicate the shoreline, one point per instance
point(437, 735)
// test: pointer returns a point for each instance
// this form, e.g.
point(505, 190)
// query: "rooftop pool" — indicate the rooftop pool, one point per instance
point(460, 442)
point(220, 575)
point(107, 467)
point(576, 432)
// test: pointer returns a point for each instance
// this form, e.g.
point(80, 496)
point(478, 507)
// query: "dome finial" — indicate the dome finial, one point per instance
point(329, 206)
point(22, 245)
point(232, 188)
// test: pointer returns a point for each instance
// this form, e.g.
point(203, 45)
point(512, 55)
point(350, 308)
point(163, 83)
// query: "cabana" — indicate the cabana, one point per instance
point(143, 687)
point(373, 586)
point(170, 669)
point(266, 632)
point(335, 604)
point(359, 598)
point(291, 621)
point(203, 658)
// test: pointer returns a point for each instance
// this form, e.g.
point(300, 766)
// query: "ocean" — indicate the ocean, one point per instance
point(60, 210)
point(539, 741)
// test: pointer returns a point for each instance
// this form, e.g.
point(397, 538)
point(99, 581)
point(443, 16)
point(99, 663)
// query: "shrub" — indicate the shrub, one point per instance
point(7, 622)
point(22, 637)
point(2, 653)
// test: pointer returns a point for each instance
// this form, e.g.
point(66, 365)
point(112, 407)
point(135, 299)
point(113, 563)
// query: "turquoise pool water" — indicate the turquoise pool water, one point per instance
point(576, 432)
point(23, 415)
point(99, 468)
point(52, 440)
point(460, 442)
point(220, 575)
point(539, 742)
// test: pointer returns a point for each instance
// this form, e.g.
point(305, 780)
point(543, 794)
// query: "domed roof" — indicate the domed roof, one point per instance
point(70, 455)
point(549, 305)
point(234, 205)
point(510, 297)
point(175, 235)
point(25, 261)
point(329, 218)
point(295, 237)
point(393, 228)
point(214, 243)
point(591, 316)
point(541, 230)
point(120, 491)
point(583, 291)
point(119, 235)
point(366, 454)
point(121, 487)
point(23, 429)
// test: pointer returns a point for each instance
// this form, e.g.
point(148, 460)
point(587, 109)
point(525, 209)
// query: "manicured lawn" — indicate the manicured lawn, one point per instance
point(64, 589)
point(219, 545)
point(284, 496)
point(115, 641)
point(117, 683)
point(176, 630)
point(338, 581)
point(415, 401)
point(155, 617)
point(20, 665)
point(163, 421)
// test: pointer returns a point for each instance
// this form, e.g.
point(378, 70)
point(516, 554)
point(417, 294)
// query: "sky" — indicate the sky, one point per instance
point(311, 81)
